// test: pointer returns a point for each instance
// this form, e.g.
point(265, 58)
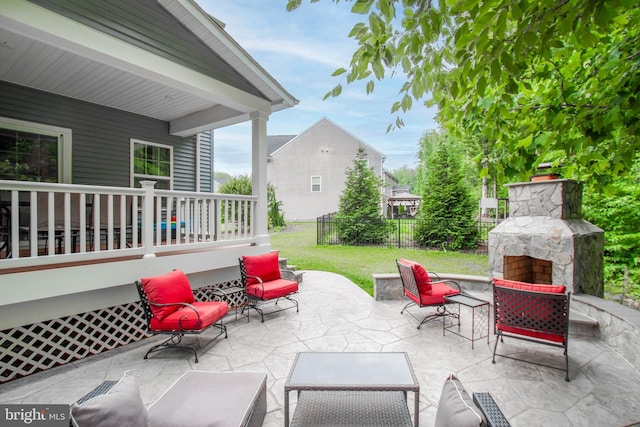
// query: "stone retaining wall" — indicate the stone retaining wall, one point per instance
point(388, 286)
point(617, 326)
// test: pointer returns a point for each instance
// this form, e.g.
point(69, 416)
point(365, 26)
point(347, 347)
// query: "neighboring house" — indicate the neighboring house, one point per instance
point(309, 170)
point(98, 97)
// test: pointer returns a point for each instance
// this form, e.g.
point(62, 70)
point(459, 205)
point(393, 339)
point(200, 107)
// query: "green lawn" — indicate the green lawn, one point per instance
point(297, 243)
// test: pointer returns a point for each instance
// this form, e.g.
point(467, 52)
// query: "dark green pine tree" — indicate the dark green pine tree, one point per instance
point(446, 219)
point(359, 220)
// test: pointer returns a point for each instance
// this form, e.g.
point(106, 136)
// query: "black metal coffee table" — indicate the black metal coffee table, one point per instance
point(359, 389)
point(480, 312)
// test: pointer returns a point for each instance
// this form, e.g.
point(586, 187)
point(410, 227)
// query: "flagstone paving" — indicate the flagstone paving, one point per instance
point(336, 315)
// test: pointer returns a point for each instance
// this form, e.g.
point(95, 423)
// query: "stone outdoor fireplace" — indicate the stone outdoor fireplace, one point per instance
point(545, 239)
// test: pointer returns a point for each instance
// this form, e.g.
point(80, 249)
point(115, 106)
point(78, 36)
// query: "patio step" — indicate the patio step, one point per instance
point(581, 324)
point(285, 266)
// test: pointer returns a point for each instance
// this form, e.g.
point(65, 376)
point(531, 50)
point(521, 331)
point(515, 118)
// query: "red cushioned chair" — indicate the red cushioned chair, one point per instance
point(536, 313)
point(425, 289)
point(171, 309)
point(263, 280)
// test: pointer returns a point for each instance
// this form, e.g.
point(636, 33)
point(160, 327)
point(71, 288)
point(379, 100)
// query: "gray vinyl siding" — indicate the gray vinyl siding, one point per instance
point(206, 162)
point(146, 24)
point(101, 135)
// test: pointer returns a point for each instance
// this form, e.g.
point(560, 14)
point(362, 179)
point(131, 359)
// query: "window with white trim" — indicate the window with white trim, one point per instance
point(152, 162)
point(315, 184)
point(34, 152)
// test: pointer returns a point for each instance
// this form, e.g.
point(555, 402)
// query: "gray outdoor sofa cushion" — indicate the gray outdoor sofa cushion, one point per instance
point(116, 405)
point(198, 398)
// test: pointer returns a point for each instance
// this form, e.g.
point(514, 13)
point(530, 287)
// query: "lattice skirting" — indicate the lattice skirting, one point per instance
point(28, 349)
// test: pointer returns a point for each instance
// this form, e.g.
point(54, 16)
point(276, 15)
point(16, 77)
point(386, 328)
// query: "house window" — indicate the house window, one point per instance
point(315, 184)
point(34, 152)
point(153, 162)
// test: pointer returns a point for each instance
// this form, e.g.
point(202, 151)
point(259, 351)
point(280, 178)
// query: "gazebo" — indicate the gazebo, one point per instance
point(405, 200)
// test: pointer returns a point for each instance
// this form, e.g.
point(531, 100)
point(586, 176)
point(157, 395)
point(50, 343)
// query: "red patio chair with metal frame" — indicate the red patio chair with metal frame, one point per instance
point(537, 313)
point(170, 308)
point(425, 289)
point(263, 279)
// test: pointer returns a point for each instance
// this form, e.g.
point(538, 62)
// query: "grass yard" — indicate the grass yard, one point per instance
point(297, 243)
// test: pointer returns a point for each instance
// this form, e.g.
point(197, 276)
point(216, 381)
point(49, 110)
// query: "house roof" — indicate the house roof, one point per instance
point(165, 59)
point(274, 142)
point(404, 196)
point(324, 119)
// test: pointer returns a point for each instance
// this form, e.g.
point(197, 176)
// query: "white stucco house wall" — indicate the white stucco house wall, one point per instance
point(308, 170)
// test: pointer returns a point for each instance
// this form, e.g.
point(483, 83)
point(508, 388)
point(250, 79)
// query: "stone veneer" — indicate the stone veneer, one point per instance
point(545, 223)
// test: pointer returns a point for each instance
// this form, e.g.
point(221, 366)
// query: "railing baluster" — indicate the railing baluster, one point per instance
point(95, 222)
point(97, 227)
point(15, 224)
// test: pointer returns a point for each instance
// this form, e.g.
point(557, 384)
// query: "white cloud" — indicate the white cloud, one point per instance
point(301, 49)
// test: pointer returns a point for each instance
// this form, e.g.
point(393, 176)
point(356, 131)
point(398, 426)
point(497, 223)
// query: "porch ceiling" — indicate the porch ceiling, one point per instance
point(45, 51)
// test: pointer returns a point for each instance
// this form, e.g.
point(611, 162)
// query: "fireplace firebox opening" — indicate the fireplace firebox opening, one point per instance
point(527, 269)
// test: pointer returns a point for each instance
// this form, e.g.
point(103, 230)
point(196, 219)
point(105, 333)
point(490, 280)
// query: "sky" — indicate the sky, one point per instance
point(301, 49)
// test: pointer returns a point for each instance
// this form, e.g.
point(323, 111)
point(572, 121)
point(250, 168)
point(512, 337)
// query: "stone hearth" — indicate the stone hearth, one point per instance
point(545, 239)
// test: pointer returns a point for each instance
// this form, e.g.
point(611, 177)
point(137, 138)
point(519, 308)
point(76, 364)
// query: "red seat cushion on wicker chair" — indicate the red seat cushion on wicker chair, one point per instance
point(184, 318)
point(265, 266)
point(167, 288)
point(423, 281)
point(273, 289)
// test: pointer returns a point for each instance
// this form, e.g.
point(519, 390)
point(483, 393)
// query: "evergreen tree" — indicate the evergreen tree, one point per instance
point(446, 216)
point(358, 218)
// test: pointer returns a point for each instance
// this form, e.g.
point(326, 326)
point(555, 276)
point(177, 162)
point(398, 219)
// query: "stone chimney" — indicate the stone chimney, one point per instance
point(545, 239)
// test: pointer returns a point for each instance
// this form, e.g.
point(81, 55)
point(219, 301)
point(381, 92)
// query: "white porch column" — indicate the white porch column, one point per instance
point(259, 174)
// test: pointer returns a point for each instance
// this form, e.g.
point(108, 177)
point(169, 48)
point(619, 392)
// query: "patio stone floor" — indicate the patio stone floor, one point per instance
point(336, 315)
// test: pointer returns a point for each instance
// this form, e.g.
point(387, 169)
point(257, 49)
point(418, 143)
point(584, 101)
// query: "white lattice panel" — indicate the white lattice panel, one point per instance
point(28, 349)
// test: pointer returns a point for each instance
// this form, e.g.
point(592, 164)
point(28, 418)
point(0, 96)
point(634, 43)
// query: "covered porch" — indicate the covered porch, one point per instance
point(107, 128)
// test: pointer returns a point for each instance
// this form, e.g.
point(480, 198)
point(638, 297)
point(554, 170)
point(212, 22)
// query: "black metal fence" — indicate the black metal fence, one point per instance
point(397, 232)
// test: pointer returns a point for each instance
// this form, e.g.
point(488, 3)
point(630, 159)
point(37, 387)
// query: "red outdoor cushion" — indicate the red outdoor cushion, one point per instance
point(530, 333)
point(533, 287)
point(273, 289)
point(265, 266)
point(166, 289)
point(184, 318)
point(437, 293)
point(422, 277)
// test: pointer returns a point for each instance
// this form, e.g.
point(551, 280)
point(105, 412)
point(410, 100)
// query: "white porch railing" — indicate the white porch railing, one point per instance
point(52, 223)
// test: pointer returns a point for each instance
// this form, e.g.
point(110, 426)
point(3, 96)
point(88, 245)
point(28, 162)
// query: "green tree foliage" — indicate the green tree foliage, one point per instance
point(546, 80)
point(276, 217)
point(618, 215)
point(237, 185)
point(406, 175)
point(358, 218)
point(446, 218)
point(242, 185)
